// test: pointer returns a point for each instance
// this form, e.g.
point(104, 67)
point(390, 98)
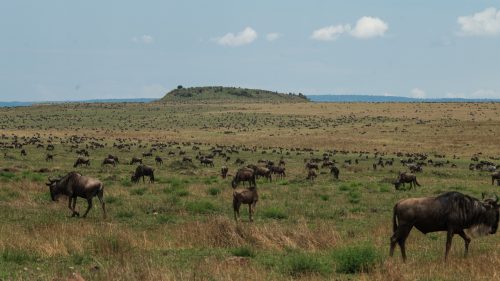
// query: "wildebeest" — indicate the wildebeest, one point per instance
point(49, 157)
point(244, 174)
point(311, 175)
point(245, 196)
point(223, 172)
point(414, 168)
point(135, 160)
point(261, 172)
point(114, 158)
point(75, 185)
point(142, 171)
point(108, 161)
point(278, 171)
point(23, 152)
point(495, 176)
point(335, 172)
point(147, 154)
point(406, 178)
point(310, 165)
point(207, 161)
point(187, 159)
point(158, 160)
point(452, 212)
point(81, 161)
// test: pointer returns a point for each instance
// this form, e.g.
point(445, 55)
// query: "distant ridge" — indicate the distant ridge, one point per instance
point(229, 94)
point(368, 98)
point(30, 103)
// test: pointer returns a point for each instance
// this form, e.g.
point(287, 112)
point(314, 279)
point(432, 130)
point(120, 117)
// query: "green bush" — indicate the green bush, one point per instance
point(214, 191)
point(355, 259)
point(274, 213)
point(201, 207)
point(298, 264)
point(354, 196)
point(17, 256)
point(244, 251)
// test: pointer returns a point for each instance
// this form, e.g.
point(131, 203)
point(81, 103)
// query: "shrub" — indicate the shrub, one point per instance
point(354, 196)
point(213, 191)
point(324, 197)
point(201, 207)
point(244, 251)
point(274, 213)
point(355, 259)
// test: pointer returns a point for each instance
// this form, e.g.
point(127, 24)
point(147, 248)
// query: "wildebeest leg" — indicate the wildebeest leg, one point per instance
point(100, 196)
point(236, 206)
point(250, 212)
point(89, 201)
point(466, 240)
point(400, 237)
point(449, 237)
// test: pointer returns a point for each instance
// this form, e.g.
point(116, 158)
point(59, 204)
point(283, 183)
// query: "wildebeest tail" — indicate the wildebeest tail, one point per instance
point(394, 221)
point(416, 182)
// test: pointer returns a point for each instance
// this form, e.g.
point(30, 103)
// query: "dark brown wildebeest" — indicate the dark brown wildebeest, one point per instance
point(135, 160)
point(310, 165)
point(414, 168)
point(114, 158)
point(49, 157)
point(239, 161)
point(261, 172)
point(23, 152)
point(158, 160)
point(147, 154)
point(50, 147)
point(406, 178)
point(277, 170)
point(495, 176)
point(311, 175)
point(335, 172)
point(142, 171)
point(223, 172)
point(245, 196)
point(244, 174)
point(108, 161)
point(327, 163)
point(207, 161)
point(75, 185)
point(187, 159)
point(81, 161)
point(451, 211)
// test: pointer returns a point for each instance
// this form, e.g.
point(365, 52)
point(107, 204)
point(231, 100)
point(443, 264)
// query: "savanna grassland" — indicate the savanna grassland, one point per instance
point(182, 228)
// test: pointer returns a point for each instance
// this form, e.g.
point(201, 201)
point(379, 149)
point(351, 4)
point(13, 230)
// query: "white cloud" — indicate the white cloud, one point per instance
point(247, 36)
point(272, 36)
point(485, 23)
point(152, 91)
point(146, 39)
point(369, 27)
point(418, 93)
point(329, 33)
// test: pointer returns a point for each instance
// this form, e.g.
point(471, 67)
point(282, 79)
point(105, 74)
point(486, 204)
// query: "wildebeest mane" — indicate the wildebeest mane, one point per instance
point(463, 209)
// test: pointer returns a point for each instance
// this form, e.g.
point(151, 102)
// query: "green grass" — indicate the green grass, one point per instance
point(274, 213)
point(356, 259)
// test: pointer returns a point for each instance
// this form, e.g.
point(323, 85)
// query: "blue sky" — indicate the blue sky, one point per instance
point(70, 50)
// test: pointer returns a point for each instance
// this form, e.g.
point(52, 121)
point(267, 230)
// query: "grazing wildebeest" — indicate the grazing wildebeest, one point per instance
point(147, 154)
point(49, 157)
point(207, 161)
point(114, 158)
point(81, 161)
point(495, 176)
point(187, 159)
point(135, 160)
point(23, 152)
point(311, 175)
point(406, 178)
point(451, 211)
point(277, 170)
point(244, 174)
point(108, 161)
point(335, 171)
point(142, 171)
point(158, 160)
point(261, 172)
point(245, 196)
point(310, 165)
point(50, 147)
point(414, 168)
point(75, 185)
point(223, 172)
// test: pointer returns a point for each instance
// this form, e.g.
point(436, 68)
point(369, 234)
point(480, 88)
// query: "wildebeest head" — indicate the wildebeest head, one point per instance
point(134, 178)
point(52, 184)
point(492, 214)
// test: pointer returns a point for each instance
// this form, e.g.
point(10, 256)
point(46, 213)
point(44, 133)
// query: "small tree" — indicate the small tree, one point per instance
point(179, 87)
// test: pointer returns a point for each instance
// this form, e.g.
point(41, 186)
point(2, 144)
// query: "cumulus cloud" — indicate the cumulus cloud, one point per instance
point(247, 36)
point(485, 23)
point(329, 33)
point(273, 36)
point(146, 39)
point(369, 27)
point(365, 28)
point(418, 93)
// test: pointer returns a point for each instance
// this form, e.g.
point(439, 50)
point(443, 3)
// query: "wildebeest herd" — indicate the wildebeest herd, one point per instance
point(452, 212)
